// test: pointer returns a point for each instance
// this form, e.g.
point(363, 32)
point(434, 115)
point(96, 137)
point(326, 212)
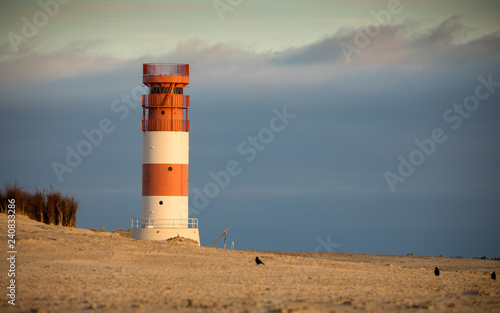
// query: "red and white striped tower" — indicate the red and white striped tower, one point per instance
point(165, 155)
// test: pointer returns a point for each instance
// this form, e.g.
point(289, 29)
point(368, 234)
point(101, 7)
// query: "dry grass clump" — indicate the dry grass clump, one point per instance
point(101, 230)
point(182, 240)
point(47, 207)
point(123, 232)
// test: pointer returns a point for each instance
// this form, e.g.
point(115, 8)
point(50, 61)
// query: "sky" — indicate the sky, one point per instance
point(356, 126)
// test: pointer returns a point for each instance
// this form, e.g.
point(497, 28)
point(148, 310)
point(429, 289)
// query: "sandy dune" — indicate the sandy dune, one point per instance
point(62, 269)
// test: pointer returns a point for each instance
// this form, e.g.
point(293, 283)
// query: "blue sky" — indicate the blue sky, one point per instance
point(393, 146)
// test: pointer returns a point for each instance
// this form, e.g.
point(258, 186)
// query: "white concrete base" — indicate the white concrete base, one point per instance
point(165, 233)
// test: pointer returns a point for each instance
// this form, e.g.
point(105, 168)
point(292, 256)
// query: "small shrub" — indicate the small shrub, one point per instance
point(46, 207)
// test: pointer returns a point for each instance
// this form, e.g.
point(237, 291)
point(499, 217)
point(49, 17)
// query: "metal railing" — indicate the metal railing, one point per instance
point(154, 100)
point(165, 223)
point(149, 124)
point(165, 69)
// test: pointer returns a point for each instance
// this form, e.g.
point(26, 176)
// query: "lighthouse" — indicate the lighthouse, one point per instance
point(165, 155)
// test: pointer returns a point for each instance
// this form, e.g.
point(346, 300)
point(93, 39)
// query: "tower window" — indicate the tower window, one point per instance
point(170, 168)
point(157, 90)
point(161, 202)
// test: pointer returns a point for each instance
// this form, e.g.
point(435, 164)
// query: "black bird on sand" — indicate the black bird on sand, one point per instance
point(258, 261)
point(493, 276)
point(436, 271)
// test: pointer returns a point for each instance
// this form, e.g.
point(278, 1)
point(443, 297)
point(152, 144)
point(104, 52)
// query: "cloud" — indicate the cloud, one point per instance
point(409, 45)
point(33, 65)
point(444, 34)
point(406, 45)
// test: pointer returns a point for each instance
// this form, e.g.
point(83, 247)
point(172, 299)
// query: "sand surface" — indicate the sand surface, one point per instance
point(61, 269)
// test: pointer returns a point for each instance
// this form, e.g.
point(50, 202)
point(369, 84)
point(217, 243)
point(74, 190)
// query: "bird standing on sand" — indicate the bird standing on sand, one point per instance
point(493, 276)
point(258, 261)
point(436, 271)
